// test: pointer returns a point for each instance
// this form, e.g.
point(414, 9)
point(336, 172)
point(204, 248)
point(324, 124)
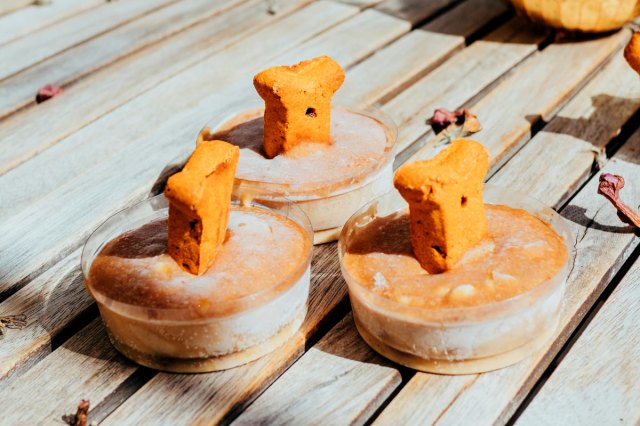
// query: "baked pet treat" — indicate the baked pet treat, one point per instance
point(298, 103)
point(632, 52)
point(446, 212)
point(199, 202)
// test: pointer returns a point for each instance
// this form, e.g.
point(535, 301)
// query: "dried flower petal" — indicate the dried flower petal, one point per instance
point(47, 92)
point(610, 186)
point(80, 417)
point(443, 118)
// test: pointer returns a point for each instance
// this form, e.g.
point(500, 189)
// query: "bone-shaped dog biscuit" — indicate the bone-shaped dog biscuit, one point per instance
point(199, 203)
point(446, 211)
point(298, 103)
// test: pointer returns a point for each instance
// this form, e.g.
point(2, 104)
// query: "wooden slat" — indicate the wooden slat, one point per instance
point(36, 17)
point(34, 345)
point(281, 359)
point(97, 94)
point(598, 382)
point(576, 138)
point(82, 368)
point(340, 380)
point(560, 69)
point(70, 65)
point(33, 341)
point(172, 111)
point(413, 11)
point(362, 4)
point(601, 252)
point(447, 388)
point(50, 302)
point(33, 48)
point(7, 6)
point(460, 78)
point(413, 56)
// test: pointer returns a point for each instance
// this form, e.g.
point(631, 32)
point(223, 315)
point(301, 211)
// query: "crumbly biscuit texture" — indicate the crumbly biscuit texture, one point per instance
point(199, 202)
point(446, 211)
point(298, 103)
point(632, 52)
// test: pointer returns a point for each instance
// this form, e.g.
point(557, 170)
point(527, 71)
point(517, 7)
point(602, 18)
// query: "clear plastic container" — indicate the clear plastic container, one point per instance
point(331, 200)
point(461, 340)
point(228, 333)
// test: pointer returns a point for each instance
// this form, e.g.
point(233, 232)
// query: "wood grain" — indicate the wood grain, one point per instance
point(340, 380)
point(36, 17)
point(413, 11)
point(560, 68)
point(99, 93)
point(83, 368)
point(49, 302)
point(597, 382)
point(63, 280)
point(323, 280)
point(602, 245)
point(77, 61)
point(158, 118)
point(415, 55)
point(29, 50)
point(562, 155)
point(458, 79)
point(8, 6)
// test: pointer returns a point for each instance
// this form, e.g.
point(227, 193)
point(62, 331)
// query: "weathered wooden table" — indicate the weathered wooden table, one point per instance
point(141, 77)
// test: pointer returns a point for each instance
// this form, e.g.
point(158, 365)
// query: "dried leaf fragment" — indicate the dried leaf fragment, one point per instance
point(610, 186)
point(443, 118)
point(13, 322)
point(80, 417)
point(632, 52)
point(47, 92)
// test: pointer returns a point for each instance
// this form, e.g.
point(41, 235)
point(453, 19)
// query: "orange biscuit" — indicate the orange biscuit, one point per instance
point(199, 202)
point(632, 52)
point(298, 103)
point(446, 211)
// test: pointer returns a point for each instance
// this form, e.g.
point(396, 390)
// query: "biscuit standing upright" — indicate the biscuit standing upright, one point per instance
point(446, 211)
point(298, 103)
point(199, 202)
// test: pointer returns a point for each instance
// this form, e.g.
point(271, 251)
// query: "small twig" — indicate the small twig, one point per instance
point(12, 322)
point(610, 186)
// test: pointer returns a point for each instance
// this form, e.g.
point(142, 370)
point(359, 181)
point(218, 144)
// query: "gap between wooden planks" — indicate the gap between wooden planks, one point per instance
point(161, 116)
point(29, 50)
point(99, 92)
point(423, 401)
point(36, 17)
point(67, 66)
point(599, 253)
point(410, 62)
point(597, 381)
point(390, 28)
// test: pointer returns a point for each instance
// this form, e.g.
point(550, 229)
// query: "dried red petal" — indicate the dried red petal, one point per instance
point(47, 92)
point(610, 186)
point(443, 118)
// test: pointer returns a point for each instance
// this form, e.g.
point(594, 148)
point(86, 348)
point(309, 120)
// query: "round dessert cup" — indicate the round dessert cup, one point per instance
point(458, 340)
point(231, 333)
point(328, 207)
